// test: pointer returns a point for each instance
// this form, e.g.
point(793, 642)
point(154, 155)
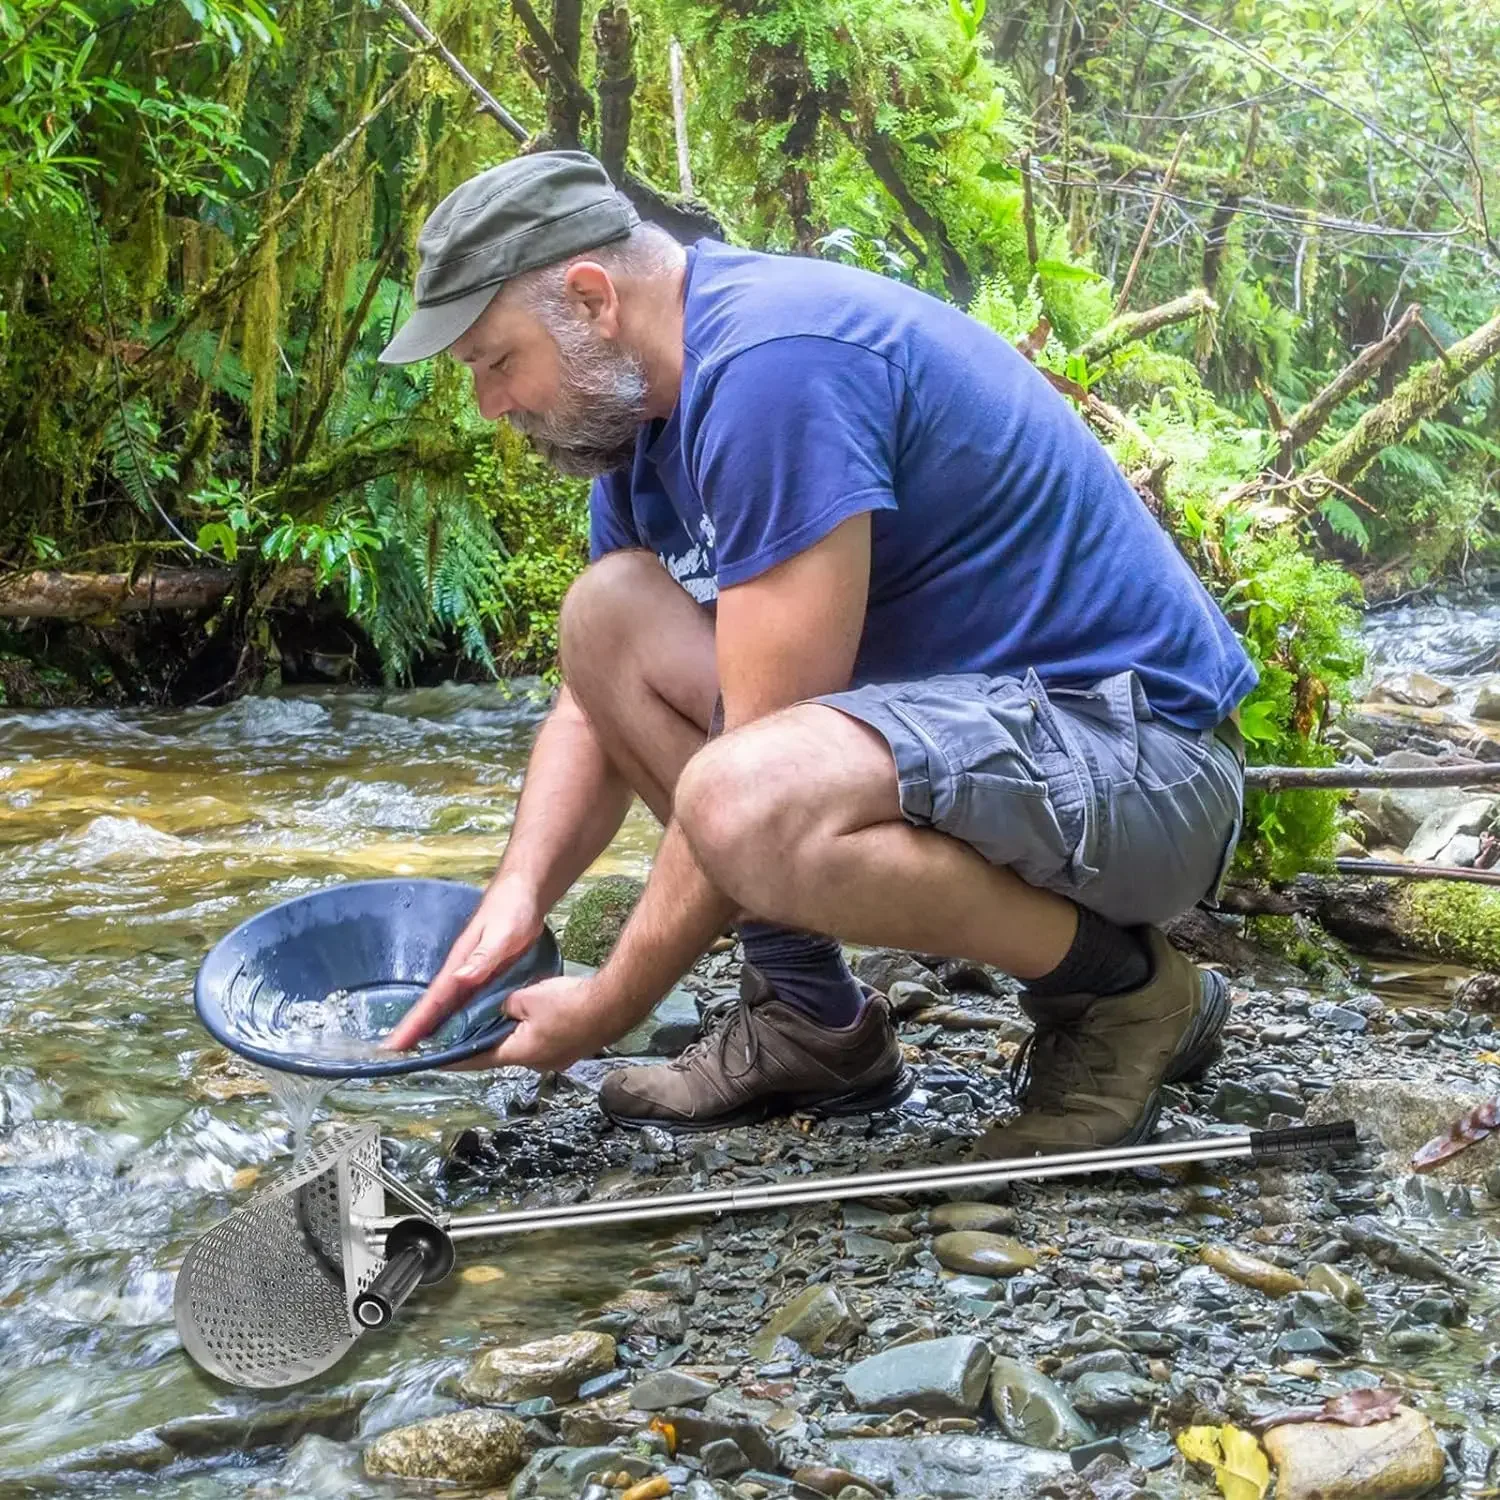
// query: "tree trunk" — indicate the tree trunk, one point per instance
point(81, 596)
point(1423, 393)
point(882, 160)
point(564, 112)
point(614, 43)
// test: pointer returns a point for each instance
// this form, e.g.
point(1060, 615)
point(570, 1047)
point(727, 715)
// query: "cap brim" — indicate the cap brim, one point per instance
point(430, 330)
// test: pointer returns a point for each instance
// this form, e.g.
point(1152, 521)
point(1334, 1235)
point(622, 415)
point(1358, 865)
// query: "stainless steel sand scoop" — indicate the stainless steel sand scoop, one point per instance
point(279, 1291)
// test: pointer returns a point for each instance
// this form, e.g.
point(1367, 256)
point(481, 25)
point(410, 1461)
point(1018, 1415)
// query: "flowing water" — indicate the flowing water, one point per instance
point(129, 842)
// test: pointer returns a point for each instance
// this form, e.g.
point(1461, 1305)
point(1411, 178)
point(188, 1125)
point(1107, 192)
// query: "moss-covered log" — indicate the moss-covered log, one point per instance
point(1129, 327)
point(1431, 919)
point(49, 595)
point(1422, 394)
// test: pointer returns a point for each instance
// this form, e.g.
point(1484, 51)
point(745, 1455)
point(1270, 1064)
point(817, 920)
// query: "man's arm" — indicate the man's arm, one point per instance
point(790, 634)
point(572, 804)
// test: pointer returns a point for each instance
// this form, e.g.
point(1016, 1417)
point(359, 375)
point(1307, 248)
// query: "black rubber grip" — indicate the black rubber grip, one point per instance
point(398, 1279)
point(1267, 1144)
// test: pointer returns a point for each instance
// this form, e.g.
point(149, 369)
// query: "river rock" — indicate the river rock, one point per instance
point(953, 1466)
point(562, 1473)
point(553, 1367)
point(1325, 1315)
point(664, 1388)
point(1343, 1288)
point(598, 917)
point(1487, 704)
point(1250, 1270)
point(936, 1377)
point(463, 1447)
point(1402, 1117)
point(1389, 1460)
point(1110, 1395)
point(880, 968)
point(1396, 813)
point(817, 1320)
point(1439, 829)
point(1416, 689)
point(982, 1254)
point(665, 1032)
point(1032, 1409)
point(992, 1218)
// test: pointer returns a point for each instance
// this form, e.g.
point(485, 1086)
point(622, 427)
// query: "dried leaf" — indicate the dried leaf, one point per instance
point(1240, 1467)
point(1035, 341)
point(479, 1275)
point(1358, 1408)
point(1487, 1057)
point(1459, 1136)
point(667, 1431)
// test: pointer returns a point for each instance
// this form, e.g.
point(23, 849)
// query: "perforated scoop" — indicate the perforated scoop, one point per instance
point(312, 985)
point(279, 1291)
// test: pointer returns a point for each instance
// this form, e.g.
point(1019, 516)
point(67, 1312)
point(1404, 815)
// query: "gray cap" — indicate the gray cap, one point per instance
point(525, 213)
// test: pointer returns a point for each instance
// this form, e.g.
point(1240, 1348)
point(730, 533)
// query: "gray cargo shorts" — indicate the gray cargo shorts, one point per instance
point(1082, 791)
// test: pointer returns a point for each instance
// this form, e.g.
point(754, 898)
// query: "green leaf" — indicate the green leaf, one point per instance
point(1000, 171)
point(1060, 270)
point(1344, 520)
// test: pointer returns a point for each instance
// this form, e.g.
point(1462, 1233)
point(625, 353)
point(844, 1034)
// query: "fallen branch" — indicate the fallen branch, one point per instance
point(50, 595)
point(487, 102)
point(1308, 421)
point(1288, 778)
point(1144, 243)
point(1422, 394)
point(1389, 869)
point(1130, 327)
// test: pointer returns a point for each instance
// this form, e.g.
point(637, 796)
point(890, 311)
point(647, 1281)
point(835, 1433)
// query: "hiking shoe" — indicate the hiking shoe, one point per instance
point(1091, 1072)
point(764, 1057)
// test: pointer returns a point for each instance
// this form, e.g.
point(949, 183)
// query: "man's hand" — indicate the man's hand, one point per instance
point(561, 1021)
point(507, 923)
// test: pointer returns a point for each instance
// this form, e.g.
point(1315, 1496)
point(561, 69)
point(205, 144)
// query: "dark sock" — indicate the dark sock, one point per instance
point(1104, 960)
point(806, 971)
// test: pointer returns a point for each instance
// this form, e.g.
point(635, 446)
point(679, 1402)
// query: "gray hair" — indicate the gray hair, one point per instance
point(646, 251)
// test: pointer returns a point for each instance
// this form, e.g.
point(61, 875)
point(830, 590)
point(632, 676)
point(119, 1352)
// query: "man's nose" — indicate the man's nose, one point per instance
point(491, 399)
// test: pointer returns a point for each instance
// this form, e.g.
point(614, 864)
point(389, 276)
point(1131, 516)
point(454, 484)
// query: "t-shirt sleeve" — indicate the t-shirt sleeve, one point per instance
point(611, 522)
point(799, 434)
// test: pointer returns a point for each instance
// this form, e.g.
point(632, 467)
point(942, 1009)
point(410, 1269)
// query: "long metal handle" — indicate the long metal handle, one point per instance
point(1256, 1144)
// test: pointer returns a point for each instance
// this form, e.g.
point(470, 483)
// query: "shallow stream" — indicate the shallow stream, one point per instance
point(129, 842)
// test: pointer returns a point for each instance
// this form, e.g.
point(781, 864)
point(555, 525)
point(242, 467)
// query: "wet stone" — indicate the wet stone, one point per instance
point(817, 1320)
point(993, 1218)
point(562, 1473)
point(1336, 1284)
point(722, 1457)
point(976, 1468)
point(1250, 1270)
point(666, 1388)
point(982, 1254)
point(1111, 1395)
point(1032, 1409)
point(1388, 1460)
point(1323, 1314)
point(464, 1447)
point(935, 1378)
point(553, 1367)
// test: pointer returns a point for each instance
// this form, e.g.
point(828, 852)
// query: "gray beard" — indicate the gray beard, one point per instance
point(600, 408)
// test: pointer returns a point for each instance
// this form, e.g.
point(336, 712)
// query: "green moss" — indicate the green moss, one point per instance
point(1302, 942)
point(598, 917)
point(1461, 922)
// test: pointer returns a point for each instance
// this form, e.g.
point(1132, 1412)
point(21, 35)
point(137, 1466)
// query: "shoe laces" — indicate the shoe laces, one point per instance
point(731, 1022)
point(1049, 1066)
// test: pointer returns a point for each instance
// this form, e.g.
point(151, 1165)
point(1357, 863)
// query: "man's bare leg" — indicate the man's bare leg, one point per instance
point(638, 656)
point(799, 817)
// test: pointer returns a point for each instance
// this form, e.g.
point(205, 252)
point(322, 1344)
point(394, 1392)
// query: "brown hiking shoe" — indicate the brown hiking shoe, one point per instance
point(764, 1058)
point(1091, 1072)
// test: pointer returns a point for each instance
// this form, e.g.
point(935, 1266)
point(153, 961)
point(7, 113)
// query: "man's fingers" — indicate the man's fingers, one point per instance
point(433, 1008)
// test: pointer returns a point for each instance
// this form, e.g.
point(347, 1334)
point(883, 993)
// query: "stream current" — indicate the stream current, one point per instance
point(129, 843)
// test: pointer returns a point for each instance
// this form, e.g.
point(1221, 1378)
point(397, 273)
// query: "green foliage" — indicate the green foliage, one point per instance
point(1462, 921)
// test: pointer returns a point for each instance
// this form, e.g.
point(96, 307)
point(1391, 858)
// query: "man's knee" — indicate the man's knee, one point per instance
point(603, 603)
point(740, 804)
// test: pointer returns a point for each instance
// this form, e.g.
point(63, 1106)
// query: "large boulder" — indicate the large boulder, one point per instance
point(1416, 689)
point(598, 917)
point(463, 1447)
point(1392, 1460)
point(553, 1367)
point(1402, 1117)
point(1470, 816)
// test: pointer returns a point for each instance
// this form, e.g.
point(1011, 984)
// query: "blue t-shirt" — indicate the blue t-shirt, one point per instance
point(1004, 536)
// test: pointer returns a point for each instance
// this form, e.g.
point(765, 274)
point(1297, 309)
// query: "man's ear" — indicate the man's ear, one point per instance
point(591, 288)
